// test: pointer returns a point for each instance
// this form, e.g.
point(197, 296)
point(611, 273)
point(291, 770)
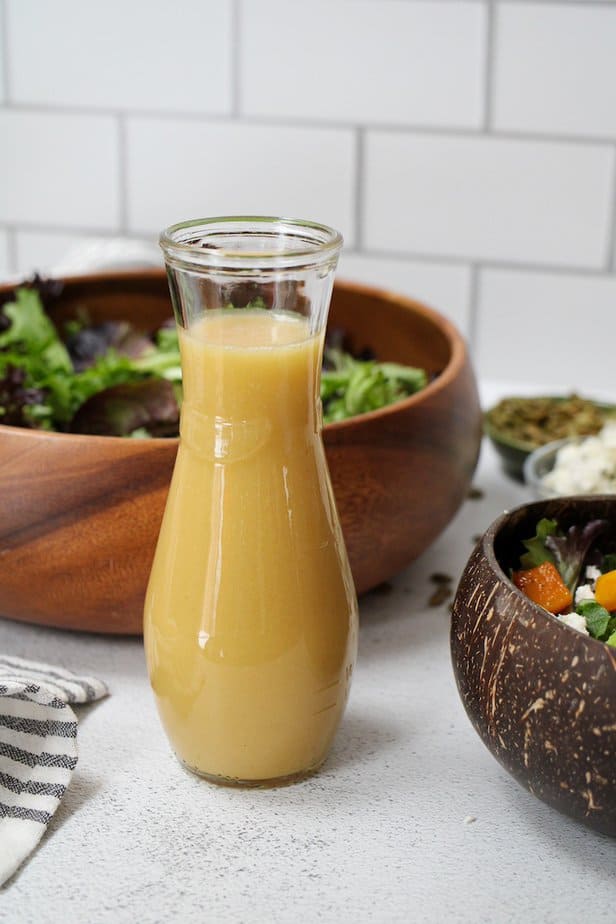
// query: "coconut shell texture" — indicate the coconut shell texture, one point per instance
point(541, 695)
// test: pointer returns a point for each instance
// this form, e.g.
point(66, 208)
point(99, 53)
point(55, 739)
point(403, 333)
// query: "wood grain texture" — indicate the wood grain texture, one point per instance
point(80, 515)
point(541, 695)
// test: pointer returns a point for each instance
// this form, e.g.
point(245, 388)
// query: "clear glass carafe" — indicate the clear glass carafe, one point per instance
point(250, 615)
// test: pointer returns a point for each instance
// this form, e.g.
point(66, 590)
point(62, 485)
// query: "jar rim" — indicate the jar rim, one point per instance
point(191, 244)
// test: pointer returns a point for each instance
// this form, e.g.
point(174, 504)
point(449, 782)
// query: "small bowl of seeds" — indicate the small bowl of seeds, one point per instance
point(517, 426)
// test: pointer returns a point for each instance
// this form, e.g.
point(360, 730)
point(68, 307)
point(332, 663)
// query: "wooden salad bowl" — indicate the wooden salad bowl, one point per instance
point(541, 695)
point(80, 515)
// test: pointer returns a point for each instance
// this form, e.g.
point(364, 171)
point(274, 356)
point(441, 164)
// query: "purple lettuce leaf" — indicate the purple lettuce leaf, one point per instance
point(570, 550)
point(149, 405)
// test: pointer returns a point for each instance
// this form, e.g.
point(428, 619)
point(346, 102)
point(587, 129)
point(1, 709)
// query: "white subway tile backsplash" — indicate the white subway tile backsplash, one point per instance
point(378, 61)
point(139, 55)
point(59, 169)
point(5, 262)
point(365, 114)
point(496, 199)
point(2, 58)
point(180, 169)
point(443, 286)
point(556, 69)
point(547, 329)
point(56, 253)
point(41, 251)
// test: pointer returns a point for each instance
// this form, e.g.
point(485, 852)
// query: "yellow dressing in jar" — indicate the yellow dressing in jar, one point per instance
point(250, 616)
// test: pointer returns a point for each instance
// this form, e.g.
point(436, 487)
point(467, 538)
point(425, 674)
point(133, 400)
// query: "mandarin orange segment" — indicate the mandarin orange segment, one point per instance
point(605, 590)
point(544, 585)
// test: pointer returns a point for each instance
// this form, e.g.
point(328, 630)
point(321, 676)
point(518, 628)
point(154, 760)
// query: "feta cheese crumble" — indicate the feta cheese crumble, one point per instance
point(575, 621)
point(592, 573)
point(587, 467)
point(587, 591)
point(584, 592)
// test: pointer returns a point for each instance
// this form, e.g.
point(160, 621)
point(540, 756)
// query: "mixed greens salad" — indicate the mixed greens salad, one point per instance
point(355, 386)
point(111, 379)
point(106, 378)
point(568, 574)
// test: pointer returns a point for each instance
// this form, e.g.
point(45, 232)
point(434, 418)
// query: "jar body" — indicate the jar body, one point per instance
point(250, 618)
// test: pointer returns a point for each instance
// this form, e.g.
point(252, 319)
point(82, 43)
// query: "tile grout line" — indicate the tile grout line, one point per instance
point(80, 230)
point(235, 64)
point(333, 125)
point(122, 173)
point(473, 310)
point(610, 263)
point(452, 260)
point(358, 188)
point(582, 3)
point(489, 65)
point(565, 269)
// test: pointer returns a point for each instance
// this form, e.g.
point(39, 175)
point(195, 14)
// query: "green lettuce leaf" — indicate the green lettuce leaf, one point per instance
point(596, 616)
point(32, 333)
point(536, 551)
point(353, 386)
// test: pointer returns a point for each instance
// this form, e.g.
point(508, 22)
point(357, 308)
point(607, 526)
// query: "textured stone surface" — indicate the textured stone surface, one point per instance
point(382, 834)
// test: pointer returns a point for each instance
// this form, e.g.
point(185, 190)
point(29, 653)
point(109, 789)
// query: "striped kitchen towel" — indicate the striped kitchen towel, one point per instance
point(38, 750)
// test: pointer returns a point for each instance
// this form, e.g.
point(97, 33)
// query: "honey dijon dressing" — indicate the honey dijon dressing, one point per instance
point(250, 617)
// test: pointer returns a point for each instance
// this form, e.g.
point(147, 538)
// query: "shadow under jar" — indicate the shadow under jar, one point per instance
point(250, 615)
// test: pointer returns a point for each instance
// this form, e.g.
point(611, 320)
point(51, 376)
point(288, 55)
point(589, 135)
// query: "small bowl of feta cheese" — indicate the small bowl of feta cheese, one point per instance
point(574, 466)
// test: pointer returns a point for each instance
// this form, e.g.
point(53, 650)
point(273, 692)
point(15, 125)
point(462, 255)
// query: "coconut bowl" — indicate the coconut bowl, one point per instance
point(541, 695)
point(80, 515)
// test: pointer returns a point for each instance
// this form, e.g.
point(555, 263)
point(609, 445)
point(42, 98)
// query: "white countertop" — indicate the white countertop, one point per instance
point(382, 833)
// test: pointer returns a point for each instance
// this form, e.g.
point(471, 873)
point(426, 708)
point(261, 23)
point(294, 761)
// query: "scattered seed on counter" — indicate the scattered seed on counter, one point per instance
point(475, 493)
point(439, 577)
point(440, 595)
point(382, 590)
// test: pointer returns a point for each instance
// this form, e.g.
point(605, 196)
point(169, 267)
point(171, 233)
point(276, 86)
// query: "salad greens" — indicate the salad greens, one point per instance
point(353, 386)
point(49, 383)
point(110, 379)
point(597, 618)
point(570, 549)
point(570, 552)
point(536, 551)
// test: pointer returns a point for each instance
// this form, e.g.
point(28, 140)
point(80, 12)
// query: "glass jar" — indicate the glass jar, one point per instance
point(250, 615)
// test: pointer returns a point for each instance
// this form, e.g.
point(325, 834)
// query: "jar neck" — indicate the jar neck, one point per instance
point(251, 262)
